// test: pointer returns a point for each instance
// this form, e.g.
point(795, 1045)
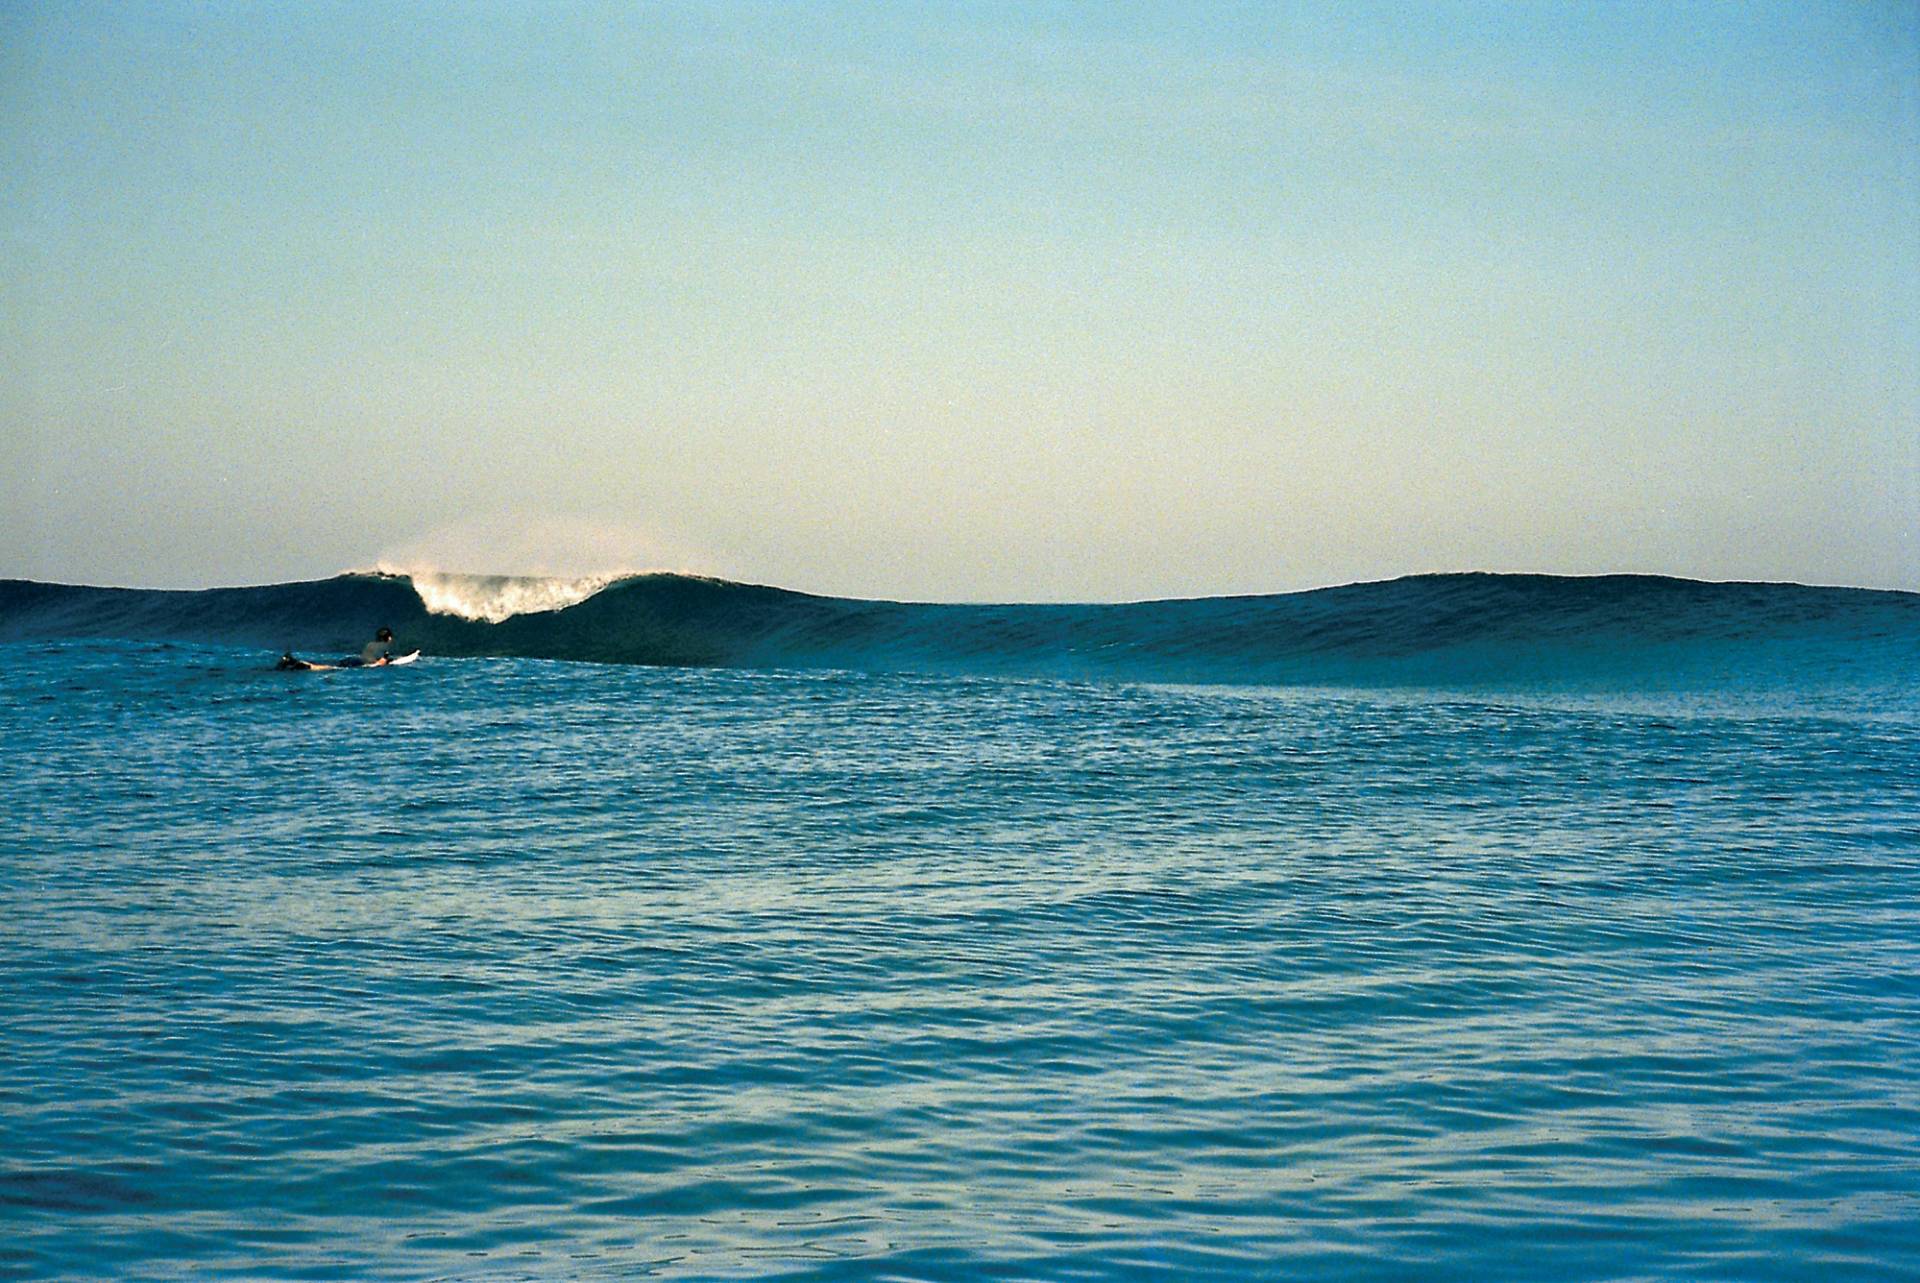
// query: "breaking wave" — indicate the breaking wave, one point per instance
point(1621, 630)
point(494, 598)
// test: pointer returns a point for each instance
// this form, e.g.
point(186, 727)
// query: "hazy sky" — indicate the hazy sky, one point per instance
point(961, 301)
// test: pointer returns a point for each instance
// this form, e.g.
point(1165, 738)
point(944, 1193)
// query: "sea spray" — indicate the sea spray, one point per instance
point(493, 599)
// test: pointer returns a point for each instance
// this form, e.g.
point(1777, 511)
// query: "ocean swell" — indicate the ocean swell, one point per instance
point(1432, 630)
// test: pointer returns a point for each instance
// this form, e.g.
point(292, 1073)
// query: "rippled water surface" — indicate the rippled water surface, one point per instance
point(506, 969)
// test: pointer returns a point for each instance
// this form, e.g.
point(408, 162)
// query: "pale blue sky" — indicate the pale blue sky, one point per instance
point(961, 301)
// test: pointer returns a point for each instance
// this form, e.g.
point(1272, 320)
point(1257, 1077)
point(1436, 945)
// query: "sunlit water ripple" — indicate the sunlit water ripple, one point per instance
point(507, 969)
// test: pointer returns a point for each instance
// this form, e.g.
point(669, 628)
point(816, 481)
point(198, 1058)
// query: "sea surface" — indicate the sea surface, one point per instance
point(513, 968)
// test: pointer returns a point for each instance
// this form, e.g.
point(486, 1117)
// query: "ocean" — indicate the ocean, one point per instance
point(1466, 927)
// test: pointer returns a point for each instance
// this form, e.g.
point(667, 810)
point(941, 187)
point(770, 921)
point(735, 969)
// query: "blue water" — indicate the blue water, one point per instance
point(509, 968)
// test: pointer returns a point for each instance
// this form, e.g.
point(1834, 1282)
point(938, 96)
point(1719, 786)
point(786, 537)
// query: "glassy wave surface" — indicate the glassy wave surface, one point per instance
point(1425, 630)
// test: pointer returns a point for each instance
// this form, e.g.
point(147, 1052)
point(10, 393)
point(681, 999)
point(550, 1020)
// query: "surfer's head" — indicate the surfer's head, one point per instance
point(385, 634)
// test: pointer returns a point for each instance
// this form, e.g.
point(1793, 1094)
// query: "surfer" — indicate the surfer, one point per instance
point(378, 651)
point(375, 654)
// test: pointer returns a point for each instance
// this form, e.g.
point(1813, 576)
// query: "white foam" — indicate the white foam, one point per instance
point(492, 598)
point(541, 563)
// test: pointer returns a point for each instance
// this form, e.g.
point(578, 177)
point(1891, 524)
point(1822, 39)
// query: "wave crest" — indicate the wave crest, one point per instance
point(493, 599)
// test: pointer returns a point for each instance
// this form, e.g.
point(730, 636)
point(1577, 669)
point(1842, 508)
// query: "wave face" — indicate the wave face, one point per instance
point(1428, 630)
